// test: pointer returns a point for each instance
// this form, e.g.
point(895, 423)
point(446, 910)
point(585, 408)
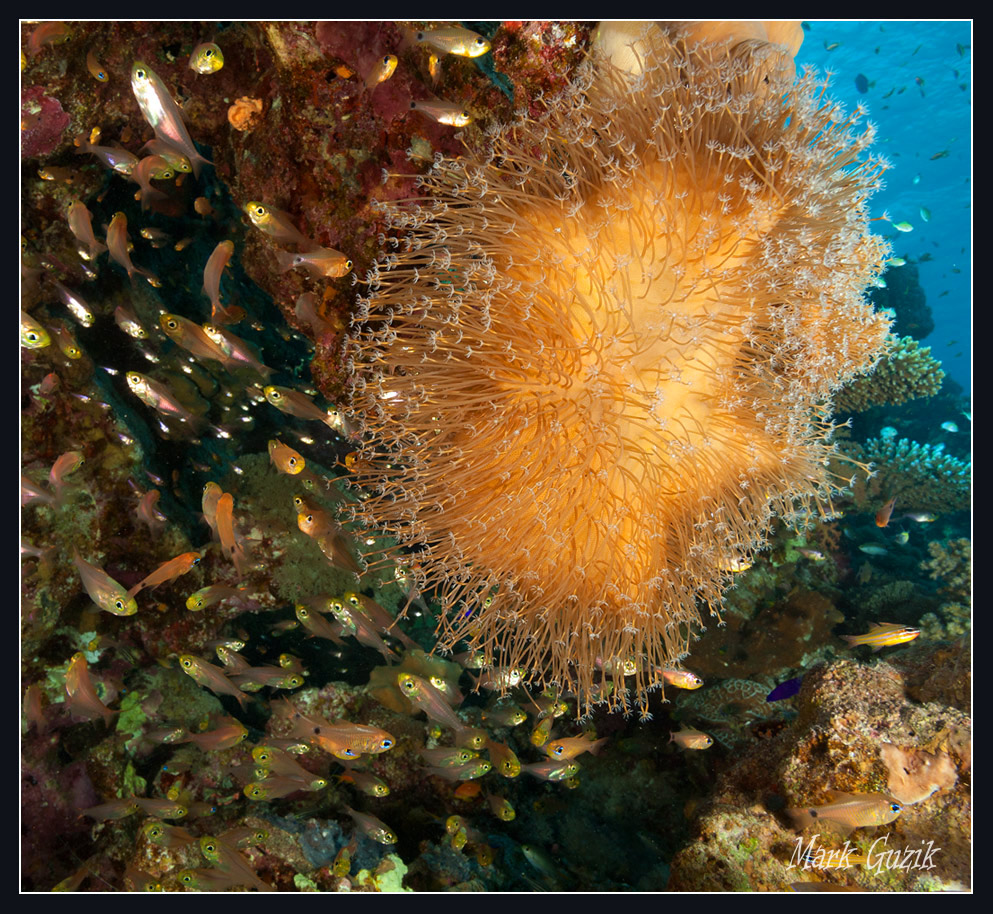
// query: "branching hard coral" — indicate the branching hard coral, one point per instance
point(922, 477)
point(596, 365)
point(905, 373)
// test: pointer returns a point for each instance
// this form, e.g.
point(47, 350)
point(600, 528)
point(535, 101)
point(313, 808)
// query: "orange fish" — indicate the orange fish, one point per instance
point(168, 571)
point(229, 540)
point(468, 790)
point(148, 514)
point(208, 504)
point(68, 463)
point(117, 242)
point(81, 225)
point(225, 736)
point(570, 747)
point(285, 459)
point(687, 738)
point(682, 679)
point(216, 264)
point(325, 262)
point(341, 739)
point(883, 514)
point(82, 698)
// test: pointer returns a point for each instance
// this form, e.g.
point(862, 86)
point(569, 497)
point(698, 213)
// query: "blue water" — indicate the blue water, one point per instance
point(916, 122)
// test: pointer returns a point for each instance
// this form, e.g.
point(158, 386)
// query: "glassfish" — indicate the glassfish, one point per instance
point(687, 738)
point(372, 827)
point(78, 308)
point(116, 158)
point(103, 589)
point(383, 621)
point(215, 593)
point(68, 463)
point(884, 513)
point(192, 338)
point(212, 272)
point(848, 811)
point(225, 736)
point(381, 71)
point(317, 625)
point(359, 627)
point(151, 168)
point(450, 113)
point(162, 113)
point(365, 781)
point(428, 699)
point(157, 396)
point(322, 262)
point(206, 58)
point(682, 679)
point(81, 225)
point(504, 759)
point(81, 695)
point(33, 334)
point(457, 41)
point(276, 223)
point(552, 770)
point(285, 459)
point(117, 243)
point(294, 403)
point(235, 349)
point(210, 677)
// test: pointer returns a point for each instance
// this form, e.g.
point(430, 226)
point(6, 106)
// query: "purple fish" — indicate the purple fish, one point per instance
point(785, 689)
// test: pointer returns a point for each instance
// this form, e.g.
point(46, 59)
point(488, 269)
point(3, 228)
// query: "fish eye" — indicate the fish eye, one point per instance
point(292, 461)
point(209, 848)
point(260, 210)
point(896, 807)
point(209, 52)
point(186, 879)
point(171, 324)
point(348, 264)
point(139, 73)
point(557, 751)
point(32, 336)
point(187, 664)
point(387, 744)
point(119, 604)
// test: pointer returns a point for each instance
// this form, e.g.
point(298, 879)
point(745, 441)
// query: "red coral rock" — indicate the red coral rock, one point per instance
point(42, 122)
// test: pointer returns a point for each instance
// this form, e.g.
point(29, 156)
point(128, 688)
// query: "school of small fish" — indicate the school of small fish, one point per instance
point(203, 382)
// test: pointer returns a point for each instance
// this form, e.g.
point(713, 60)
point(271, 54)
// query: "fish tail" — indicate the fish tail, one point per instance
point(285, 260)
